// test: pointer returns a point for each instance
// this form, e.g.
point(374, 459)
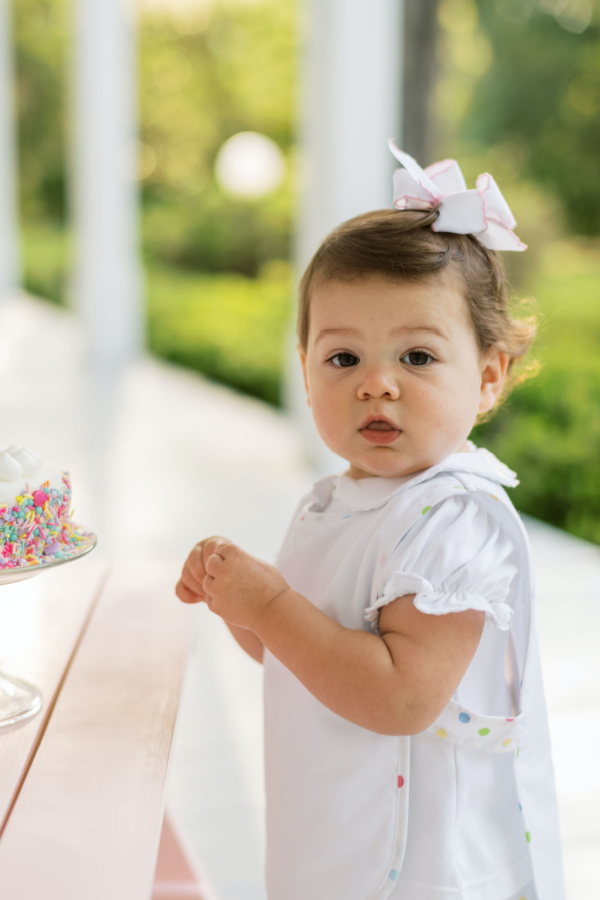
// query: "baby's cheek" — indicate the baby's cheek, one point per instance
point(329, 418)
point(437, 415)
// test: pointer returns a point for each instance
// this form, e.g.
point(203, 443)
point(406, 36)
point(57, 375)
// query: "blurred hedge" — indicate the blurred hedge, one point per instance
point(229, 327)
point(549, 431)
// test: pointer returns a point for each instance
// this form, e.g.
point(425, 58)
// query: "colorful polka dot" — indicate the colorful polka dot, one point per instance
point(394, 875)
point(520, 808)
point(442, 733)
point(493, 496)
point(483, 731)
point(507, 742)
point(464, 717)
point(523, 897)
point(400, 781)
point(510, 720)
point(518, 748)
point(383, 560)
point(425, 510)
point(528, 836)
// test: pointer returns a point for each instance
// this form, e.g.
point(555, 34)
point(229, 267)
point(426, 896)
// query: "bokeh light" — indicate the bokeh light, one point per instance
point(249, 165)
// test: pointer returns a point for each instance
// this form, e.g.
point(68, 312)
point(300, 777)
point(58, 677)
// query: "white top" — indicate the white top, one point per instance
point(456, 558)
point(350, 551)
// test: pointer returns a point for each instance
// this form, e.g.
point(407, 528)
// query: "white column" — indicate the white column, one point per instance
point(107, 278)
point(9, 242)
point(351, 105)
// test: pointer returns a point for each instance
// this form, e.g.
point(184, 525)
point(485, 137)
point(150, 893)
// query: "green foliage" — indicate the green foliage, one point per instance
point(229, 327)
point(41, 31)
point(204, 76)
point(46, 256)
point(549, 431)
point(540, 96)
point(203, 79)
point(216, 233)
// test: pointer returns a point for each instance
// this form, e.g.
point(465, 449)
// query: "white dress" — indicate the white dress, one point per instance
point(352, 815)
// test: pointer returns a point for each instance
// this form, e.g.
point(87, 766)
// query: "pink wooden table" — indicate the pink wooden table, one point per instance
point(82, 783)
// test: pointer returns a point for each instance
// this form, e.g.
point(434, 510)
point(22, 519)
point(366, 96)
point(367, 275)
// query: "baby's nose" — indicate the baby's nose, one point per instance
point(379, 382)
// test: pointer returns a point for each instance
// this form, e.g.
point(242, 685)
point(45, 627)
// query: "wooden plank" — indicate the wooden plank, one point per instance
point(41, 621)
point(87, 821)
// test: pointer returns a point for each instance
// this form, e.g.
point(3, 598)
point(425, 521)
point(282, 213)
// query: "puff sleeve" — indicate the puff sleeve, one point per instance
point(457, 557)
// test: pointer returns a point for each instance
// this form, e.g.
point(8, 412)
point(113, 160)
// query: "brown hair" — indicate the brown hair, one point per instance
point(400, 245)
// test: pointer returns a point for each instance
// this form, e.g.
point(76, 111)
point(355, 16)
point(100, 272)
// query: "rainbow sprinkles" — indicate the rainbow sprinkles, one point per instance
point(35, 515)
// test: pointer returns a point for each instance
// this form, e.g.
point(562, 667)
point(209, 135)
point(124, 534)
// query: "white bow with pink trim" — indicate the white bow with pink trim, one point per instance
point(482, 212)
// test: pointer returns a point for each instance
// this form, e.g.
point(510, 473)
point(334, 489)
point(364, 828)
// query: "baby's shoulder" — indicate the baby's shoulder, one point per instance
point(460, 503)
point(444, 488)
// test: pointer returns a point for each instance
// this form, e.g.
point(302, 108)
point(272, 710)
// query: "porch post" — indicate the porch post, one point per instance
point(351, 105)
point(107, 283)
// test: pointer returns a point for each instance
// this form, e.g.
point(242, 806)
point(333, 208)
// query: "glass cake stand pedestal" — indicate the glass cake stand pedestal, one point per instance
point(20, 699)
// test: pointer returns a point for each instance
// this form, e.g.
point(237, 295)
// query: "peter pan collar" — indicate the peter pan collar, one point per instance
point(371, 493)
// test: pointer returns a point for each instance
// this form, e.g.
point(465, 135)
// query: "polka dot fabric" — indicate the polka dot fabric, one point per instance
point(495, 734)
point(525, 893)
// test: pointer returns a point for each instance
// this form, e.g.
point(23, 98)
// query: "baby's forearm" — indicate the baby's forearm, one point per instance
point(248, 641)
point(351, 672)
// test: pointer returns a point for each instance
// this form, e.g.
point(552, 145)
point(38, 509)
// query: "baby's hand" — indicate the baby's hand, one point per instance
point(189, 587)
point(238, 587)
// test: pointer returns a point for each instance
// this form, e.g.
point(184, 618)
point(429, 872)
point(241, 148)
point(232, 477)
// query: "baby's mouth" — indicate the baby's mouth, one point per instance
point(380, 432)
point(380, 426)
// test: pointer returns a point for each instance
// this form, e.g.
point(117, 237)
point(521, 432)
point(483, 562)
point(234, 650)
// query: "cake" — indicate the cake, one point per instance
point(35, 512)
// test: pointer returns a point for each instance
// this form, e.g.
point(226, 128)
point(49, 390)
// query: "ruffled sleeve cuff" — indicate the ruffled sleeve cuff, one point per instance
point(437, 602)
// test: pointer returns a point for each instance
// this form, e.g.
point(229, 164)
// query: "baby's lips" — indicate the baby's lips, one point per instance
point(380, 426)
point(378, 423)
point(377, 436)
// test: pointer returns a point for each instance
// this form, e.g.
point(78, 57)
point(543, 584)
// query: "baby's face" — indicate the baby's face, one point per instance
point(394, 374)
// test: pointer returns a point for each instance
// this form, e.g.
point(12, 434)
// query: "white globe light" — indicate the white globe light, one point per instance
point(249, 165)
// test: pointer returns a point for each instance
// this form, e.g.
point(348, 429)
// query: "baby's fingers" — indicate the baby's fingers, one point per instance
point(187, 596)
point(213, 565)
point(193, 574)
point(194, 564)
point(192, 586)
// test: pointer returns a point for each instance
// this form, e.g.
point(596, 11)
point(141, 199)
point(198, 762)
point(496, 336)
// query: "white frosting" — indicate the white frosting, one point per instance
point(28, 461)
point(10, 469)
point(10, 490)
point(22, 471)
point(17, 462)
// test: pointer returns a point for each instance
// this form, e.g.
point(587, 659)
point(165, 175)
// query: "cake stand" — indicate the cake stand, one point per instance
point(19, 699)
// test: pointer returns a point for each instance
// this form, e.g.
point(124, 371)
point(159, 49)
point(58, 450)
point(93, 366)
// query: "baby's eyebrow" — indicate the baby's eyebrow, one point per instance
point(325, 331)
point(432, 329)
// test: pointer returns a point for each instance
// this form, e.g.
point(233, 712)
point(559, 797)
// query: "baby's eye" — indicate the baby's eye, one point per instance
point(343, 360)
point(417, 358)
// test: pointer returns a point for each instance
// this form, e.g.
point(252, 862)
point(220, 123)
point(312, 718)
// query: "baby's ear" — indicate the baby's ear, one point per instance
point(493, 373)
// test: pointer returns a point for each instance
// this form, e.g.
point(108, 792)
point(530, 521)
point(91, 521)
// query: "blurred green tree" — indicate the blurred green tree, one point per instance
point(42, 31)
point(207, 75)
point(541, 92)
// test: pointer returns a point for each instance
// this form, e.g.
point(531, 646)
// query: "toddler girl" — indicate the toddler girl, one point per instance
point(407, 750)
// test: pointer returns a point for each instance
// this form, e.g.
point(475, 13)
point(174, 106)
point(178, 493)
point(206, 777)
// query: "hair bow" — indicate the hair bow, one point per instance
point(482, 212)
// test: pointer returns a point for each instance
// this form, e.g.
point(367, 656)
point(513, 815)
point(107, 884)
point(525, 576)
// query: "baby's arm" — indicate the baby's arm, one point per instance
point(248, 641)
point(394, 684)
point(189, 589)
